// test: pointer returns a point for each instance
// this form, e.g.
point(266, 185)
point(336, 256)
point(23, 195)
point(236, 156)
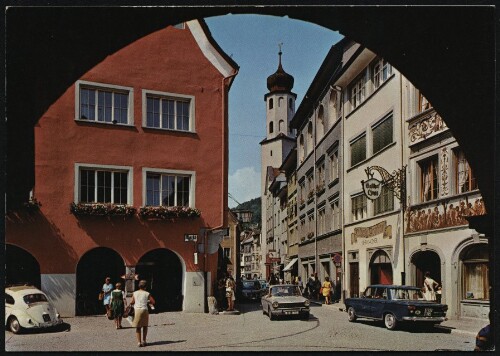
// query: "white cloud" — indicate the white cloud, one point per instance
point(244, 185)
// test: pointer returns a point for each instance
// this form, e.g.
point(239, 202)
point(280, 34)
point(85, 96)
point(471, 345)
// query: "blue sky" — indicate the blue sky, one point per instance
point(252, 41)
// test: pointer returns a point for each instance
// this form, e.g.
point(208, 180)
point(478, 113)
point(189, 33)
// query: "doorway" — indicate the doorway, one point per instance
point(426, 261)
point(162, 270)
point(380, 268)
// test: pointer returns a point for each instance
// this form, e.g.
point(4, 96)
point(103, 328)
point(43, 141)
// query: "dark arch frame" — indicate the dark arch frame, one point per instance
point(454, 45)
point(28, 273)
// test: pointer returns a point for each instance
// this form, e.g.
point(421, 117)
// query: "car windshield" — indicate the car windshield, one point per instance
point(34, 298)
point(251, 285)
point(406, 294)
point(281, 291)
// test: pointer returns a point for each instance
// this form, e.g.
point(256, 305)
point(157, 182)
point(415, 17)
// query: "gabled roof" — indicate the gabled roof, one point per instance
point(211, 49)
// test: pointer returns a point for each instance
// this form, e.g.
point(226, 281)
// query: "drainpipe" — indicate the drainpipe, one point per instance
point(316, 257)
point(402, 191)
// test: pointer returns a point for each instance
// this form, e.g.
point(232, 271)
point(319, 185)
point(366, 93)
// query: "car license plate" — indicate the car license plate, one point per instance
point(427, 312)
point(291, 312)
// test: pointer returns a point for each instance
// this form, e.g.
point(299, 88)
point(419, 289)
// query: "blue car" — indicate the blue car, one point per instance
point(395, 304)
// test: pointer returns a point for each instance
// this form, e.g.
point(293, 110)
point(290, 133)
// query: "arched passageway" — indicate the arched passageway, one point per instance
point(21, 267)
point(426, 261)
point(380, 268)
point(92, 269)
point(162, 269)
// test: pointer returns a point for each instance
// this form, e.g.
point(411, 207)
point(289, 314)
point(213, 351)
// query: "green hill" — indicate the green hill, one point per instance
point(254, 206)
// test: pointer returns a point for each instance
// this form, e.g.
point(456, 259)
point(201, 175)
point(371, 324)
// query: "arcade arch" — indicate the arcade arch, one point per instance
point(21, 267)
point(164, 272)
point(94, 266)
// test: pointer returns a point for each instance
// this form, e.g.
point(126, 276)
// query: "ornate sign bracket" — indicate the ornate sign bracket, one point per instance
point(395, 182)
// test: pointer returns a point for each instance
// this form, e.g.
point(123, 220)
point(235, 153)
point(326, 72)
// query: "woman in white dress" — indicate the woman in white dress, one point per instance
point(430, 286)
point(140, 300)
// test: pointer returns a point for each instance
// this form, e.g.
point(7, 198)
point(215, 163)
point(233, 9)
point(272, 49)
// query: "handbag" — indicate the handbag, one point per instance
point(129, 311)
point(109, 314)
point(101, 295)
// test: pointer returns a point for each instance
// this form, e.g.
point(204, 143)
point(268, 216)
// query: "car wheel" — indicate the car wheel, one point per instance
point(351, 314)
point(14, 325)
point(271, 317)
point(390, 321)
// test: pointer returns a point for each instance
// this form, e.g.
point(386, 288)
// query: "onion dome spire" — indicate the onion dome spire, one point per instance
point(281, 80)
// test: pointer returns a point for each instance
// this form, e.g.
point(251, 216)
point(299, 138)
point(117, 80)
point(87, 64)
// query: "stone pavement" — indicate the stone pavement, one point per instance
point(468, 326)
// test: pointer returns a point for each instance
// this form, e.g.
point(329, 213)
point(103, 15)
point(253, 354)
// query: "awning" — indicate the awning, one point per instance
point(289, 266)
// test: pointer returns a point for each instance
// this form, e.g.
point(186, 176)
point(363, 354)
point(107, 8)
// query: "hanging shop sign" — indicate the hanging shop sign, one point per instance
point(372, 188)
point(337, 259)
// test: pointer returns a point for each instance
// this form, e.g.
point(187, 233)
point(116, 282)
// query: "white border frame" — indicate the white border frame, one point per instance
point(174, 96)
point(192, 187)
point(130, 106)
point(130, 180)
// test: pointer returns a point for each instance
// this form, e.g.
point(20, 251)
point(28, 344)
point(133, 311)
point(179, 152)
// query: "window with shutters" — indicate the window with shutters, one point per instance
point(385, 202)
point(429, 179)
point(382, 134)
point(358, 150)
point(358, 207)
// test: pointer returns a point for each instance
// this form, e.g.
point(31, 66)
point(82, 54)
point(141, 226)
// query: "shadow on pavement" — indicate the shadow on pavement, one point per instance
point(164, 342)
point(55, 329)
point(407, 327)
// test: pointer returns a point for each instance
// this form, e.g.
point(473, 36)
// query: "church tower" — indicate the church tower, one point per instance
point(280, 139)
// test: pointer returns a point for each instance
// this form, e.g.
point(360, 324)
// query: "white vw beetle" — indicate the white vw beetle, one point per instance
point(28, 307)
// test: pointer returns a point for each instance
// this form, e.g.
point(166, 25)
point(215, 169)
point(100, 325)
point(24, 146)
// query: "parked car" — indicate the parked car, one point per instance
point(285, 299)
point(27, 307)
point(394, 304)
point(251, 289)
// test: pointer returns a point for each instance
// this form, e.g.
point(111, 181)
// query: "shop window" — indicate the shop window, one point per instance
point(475, 273)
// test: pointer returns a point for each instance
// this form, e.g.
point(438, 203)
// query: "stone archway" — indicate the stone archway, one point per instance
point(426, 261)
point(163, 271)
point(381, 268)
point(93, 267)
point(21, 267)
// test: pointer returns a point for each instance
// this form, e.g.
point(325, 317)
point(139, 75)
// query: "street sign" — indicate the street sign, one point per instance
point(190, 237)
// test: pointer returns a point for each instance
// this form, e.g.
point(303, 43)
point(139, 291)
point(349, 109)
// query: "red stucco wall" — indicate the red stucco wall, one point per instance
point(168, 61)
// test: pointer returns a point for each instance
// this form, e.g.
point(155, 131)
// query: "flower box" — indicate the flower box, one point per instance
point(100, 209)
point(168, 212)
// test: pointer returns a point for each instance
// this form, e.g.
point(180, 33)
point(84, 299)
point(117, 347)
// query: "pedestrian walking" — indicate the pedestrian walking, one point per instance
point(337, 291)
point(230, 292)
point(140, 300)
point(300, 284)
point(106, 289)
point(310, 286)
point(430, 286)
point(484, 338)
point(317, 286)
point(118, 304)
point(326, 290)
point(221, 294)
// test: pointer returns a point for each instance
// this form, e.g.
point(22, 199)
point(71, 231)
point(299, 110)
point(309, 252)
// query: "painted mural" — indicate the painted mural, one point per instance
point(442, 215)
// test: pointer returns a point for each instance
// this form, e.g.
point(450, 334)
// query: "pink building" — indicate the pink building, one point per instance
point(145, 128)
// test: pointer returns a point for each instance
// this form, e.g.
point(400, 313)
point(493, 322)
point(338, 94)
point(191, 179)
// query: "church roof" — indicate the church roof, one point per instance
point(280, 80)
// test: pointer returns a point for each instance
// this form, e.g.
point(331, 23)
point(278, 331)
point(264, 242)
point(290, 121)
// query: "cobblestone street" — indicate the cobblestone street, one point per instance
point(326, 330)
